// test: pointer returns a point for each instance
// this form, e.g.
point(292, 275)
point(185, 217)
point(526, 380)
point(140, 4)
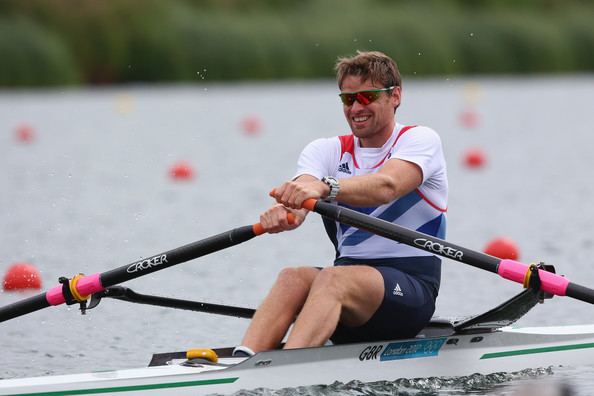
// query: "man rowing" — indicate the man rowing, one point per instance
point(377, 289)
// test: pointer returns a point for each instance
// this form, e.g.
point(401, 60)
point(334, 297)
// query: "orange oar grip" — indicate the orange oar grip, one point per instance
point(291, 218)
point(259, 230)
point(309, 204)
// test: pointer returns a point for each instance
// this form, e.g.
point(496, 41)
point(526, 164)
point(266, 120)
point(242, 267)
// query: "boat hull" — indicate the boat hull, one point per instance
point(506, 350)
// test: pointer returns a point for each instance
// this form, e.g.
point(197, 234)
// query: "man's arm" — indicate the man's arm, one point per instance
point(395, 179)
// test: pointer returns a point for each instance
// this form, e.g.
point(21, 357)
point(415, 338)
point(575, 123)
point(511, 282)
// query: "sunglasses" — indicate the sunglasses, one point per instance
point(364, 97)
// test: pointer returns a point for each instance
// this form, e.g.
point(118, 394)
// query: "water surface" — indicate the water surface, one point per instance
point(92, 192)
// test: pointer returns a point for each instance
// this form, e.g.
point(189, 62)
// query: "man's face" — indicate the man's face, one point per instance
point(372, 120)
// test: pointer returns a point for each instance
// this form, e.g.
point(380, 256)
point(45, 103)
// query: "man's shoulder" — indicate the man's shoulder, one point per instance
point(323, 147)
point(326, 142)
point(418, 132)
point(416, 128)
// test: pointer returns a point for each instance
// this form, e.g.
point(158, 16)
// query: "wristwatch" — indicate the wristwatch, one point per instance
point(332, 182)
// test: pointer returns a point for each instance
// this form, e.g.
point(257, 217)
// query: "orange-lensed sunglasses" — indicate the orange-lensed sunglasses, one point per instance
point(364, 97)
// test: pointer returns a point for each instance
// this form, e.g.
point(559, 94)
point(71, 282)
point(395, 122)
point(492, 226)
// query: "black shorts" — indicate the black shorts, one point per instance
point(407, 307)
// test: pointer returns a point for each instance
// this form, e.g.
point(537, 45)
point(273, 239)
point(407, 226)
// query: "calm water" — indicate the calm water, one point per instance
point(92, 192)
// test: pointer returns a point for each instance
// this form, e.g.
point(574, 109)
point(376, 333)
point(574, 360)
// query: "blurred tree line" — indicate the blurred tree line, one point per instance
point(58, 42)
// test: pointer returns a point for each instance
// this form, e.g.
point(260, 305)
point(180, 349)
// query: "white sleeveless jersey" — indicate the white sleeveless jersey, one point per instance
point(423, 209)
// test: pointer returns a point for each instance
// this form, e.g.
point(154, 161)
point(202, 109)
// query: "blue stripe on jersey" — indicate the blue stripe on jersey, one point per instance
point(435, 227)
point(394, 211)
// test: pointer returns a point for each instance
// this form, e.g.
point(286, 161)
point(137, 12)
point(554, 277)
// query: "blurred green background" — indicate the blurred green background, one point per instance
point(67, 42)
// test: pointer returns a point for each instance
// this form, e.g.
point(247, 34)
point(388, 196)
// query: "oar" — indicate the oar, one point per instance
point(508, 269)
point(80, 287)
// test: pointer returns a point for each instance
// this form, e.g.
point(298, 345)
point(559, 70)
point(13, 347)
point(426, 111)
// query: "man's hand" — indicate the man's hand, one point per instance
point(275, 219)
point(292, 194)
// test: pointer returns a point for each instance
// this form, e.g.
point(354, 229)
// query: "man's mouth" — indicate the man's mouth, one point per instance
point(361, 118)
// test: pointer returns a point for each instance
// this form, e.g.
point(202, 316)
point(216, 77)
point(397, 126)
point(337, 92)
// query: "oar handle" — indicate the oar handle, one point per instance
point(508, 269)
point(259, 230)
point(310, 204)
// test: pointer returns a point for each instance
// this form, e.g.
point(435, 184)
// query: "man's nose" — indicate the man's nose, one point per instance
point(357, 106)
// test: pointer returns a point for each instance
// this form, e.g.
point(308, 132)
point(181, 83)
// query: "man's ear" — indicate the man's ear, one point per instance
point(396, 97)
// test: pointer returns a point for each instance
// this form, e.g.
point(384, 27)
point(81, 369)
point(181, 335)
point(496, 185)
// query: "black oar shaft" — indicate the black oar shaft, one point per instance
point(580, 292)
point(508, 269)
point(96, 283)
point(177, 256)
point(23, 307)
point(408, 237)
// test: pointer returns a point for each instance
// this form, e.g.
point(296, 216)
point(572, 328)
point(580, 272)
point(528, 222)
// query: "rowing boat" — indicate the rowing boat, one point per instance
point(442, 356)
point(485, 343)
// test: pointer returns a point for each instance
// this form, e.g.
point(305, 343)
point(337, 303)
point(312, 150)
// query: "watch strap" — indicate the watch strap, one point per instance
point(334, 185)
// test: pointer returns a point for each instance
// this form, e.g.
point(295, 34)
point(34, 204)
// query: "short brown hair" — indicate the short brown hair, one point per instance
point(369, 65)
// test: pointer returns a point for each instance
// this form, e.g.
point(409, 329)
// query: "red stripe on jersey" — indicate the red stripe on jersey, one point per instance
point(347, 145)
point(430, 203)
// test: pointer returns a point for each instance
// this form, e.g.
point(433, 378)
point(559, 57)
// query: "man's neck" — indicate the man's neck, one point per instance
point(379, 139)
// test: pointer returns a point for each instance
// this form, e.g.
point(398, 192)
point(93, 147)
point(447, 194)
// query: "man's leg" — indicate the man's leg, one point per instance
point(347, 294)
point(279, 309)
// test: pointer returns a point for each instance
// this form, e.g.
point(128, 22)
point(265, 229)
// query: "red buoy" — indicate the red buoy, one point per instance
point(251, 125)
point(469, 118)
point(24, 133)
point(503, 248)
point(21, 276)
point(181, 170)
point(474, 157)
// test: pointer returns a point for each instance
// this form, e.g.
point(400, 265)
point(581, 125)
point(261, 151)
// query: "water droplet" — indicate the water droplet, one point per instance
point(471, 34)
point(420, 53)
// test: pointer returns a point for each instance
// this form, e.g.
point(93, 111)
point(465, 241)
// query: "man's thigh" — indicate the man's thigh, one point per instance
point(362, 292)
point(406, 308)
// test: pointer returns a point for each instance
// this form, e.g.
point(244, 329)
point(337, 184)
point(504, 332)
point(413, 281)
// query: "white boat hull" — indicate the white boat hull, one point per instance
point(506, 350)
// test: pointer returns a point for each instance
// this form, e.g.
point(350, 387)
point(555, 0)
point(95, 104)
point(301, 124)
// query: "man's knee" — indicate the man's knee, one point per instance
point(296, 277)
point(330, 280)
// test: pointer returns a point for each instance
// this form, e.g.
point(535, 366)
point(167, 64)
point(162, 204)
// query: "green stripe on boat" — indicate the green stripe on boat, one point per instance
point(133, 388)
point(537, 350)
